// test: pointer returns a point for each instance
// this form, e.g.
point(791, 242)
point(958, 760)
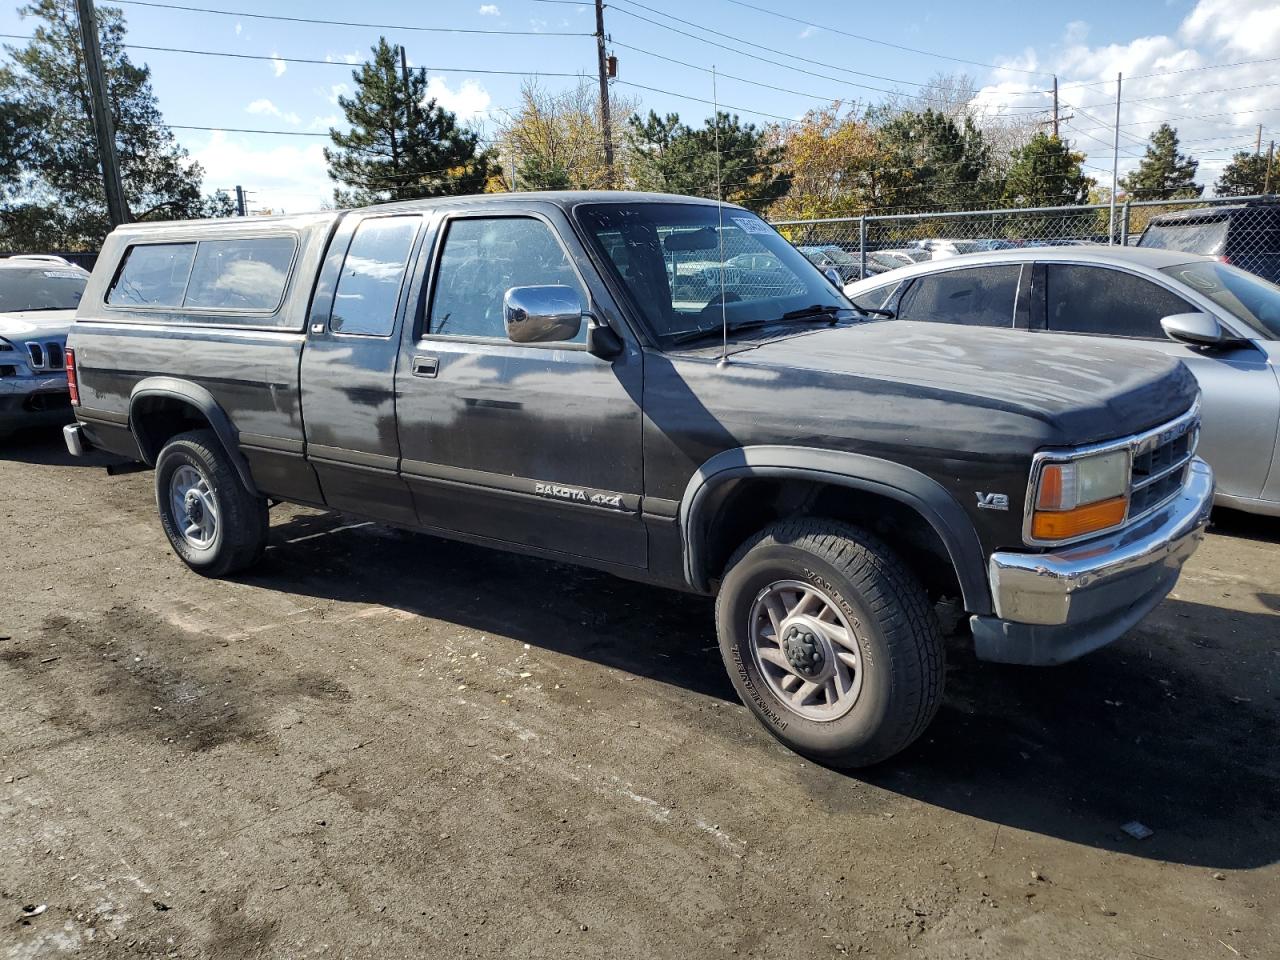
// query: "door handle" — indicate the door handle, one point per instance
point(426, 366)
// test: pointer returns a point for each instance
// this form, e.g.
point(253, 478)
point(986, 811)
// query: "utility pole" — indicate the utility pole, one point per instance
point(603, 67)
point(408, 91)
point(100, 109)
point(1257, 146)
point(1115, 163)
point(240, 204)
point(1055, 106)
point(1271, 152)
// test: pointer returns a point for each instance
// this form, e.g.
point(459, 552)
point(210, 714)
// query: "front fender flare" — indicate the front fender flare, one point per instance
point(921, 493)
point(200, 398)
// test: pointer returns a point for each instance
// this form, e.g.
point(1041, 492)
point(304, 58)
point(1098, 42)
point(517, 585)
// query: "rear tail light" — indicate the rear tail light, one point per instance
point(73, 385)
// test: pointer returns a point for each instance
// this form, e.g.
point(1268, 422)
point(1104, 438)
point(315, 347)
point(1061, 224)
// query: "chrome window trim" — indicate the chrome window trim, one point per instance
point(1135, 445)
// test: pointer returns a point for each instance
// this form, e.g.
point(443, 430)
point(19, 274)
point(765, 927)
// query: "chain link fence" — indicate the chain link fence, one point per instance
point(1244, 230)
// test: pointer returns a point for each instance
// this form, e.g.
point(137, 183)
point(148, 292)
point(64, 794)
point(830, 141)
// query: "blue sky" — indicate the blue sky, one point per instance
point(1017, 44)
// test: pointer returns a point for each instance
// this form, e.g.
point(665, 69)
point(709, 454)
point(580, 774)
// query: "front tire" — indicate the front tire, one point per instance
point(830, 640)
point(211, 519)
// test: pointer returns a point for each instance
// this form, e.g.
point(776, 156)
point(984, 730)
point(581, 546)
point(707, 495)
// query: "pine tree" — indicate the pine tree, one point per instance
point(1163, 173)
point(1244, 176)
point(665, 154)
point(52, 181)
point(401, 145)
point(1046, 173)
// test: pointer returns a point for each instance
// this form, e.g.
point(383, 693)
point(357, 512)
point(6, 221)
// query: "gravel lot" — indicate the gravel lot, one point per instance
point(383, 745)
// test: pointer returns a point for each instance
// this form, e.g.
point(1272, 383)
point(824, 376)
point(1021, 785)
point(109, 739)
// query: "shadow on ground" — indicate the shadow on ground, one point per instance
point(1174, 726)
point(45, 446)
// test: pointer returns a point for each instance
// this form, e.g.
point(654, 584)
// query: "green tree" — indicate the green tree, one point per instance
point(667, 155)
point(934, 160)
point(1244, 176)
point(1046, 173)
point(1163, 173)
point(401, 145)
point(52, 182)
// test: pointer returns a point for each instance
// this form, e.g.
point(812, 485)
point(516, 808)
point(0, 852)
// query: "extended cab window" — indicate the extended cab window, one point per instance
point(240, 274)
point(1084, 299)
point(153, 275)
point(372, 274)
point(973, 297)
point(485, 257)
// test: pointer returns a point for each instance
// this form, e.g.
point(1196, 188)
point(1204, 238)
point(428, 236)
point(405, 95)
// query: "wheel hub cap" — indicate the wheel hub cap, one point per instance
point(806, 649)
point(194, 508)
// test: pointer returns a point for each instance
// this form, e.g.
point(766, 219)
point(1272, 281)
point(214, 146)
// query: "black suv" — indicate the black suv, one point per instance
point(1246, 235)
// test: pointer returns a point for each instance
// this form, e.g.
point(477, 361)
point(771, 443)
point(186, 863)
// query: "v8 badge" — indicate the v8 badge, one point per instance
point(992, 501)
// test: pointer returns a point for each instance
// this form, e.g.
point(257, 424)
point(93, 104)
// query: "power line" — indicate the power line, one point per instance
point(758, 46)
point(347, 23)
point(883, 43)
point(1187, 93)
point(1168, 73)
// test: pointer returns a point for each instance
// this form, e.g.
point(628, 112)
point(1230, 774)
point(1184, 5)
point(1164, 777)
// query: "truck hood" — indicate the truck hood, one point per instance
point(35, 324)
point(1081, 391)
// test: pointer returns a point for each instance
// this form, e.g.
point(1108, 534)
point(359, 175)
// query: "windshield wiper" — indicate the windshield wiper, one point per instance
point(817, 311)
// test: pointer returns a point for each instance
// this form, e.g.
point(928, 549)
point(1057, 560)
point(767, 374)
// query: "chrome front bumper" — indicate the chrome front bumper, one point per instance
point(1053, 607)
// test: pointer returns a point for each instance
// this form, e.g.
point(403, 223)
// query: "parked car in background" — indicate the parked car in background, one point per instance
point(1222, 322)
point(846, 264)
point(942, 249)
point(38, 299)
point(1246, 235)
point(900, 256)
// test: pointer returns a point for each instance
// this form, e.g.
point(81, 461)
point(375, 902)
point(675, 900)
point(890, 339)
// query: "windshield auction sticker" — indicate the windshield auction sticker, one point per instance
point(750, 225)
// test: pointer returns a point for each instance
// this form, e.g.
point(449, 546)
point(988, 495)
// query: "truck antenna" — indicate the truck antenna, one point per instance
point(724, 315)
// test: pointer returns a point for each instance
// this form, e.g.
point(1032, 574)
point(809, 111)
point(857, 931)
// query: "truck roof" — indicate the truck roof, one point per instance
point(566, 199)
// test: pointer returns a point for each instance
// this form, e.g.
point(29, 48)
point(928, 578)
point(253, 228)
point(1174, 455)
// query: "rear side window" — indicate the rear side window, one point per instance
point(372, 275)
point(153, 275)
point(973, 297)
point(1208, 237)
point(1081, 299)
point(874, 298)
point(248, 274)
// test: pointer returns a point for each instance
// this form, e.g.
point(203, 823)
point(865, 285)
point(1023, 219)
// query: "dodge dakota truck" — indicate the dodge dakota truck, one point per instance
point(665, 389)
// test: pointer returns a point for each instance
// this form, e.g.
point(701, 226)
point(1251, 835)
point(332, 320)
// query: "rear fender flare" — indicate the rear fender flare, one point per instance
point(856, 471)
point(200, 398)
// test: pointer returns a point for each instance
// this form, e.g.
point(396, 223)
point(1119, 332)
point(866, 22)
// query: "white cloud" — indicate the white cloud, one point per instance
point(1214, 117)
point(489, 10)
point(325, 122)
point(806, 33)
point(265, 107)
point(277, 64)
point(288, 176)
point(469, 101)
point(239, 29)
point(338, 90)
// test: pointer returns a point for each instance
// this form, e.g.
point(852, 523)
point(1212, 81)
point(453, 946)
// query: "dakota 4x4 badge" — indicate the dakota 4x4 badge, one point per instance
point(583, 495)
point(992, 501)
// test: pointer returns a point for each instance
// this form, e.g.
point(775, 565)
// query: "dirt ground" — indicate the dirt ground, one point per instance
point(383, 745)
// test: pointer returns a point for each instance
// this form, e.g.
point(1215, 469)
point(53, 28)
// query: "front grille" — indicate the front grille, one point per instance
point(46, 356)
point(1161, 460)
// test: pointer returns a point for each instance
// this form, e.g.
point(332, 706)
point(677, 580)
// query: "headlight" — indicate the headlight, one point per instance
point(1075, 497)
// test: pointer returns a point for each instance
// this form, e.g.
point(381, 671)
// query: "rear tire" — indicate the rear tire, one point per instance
point(211, 519)
point(831, 641)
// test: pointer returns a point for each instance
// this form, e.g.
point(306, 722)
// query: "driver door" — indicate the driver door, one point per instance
point(526, 444)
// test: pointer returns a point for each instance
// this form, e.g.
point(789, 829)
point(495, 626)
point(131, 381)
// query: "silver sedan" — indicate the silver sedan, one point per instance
point(1222, 322)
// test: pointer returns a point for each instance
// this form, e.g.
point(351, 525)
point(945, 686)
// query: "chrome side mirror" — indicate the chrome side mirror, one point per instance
point(544, 314)
point(1197, 329)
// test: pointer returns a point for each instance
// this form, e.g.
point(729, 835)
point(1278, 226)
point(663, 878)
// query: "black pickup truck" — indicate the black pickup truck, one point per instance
point(665, 389)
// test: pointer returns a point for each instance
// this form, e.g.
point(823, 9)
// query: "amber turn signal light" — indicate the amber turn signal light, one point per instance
point(1067, 524)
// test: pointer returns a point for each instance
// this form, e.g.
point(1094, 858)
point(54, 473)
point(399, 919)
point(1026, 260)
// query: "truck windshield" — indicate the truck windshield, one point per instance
point(40, 288)
point(678, 266)
point(1250, 298)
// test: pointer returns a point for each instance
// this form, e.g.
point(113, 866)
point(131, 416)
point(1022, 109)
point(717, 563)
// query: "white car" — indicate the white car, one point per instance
point(1222, 322)
point(38, 298)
